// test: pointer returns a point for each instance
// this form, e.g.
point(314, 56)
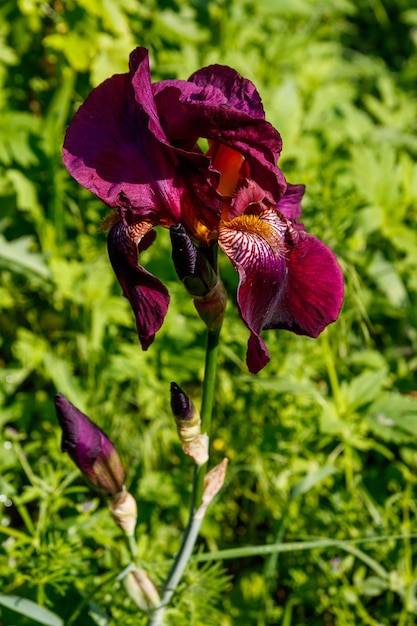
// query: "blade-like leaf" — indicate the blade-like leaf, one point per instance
point(30, 609)
point(17, 253)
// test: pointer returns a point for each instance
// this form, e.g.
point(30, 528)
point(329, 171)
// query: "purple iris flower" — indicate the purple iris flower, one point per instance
point(134, 144)
point(92, 452)
point(287, 278)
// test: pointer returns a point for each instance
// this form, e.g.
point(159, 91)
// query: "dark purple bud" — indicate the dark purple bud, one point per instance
point(195, 266)
point(184, 252)
point(194, 443)
point(181, 406)
point(90, 449)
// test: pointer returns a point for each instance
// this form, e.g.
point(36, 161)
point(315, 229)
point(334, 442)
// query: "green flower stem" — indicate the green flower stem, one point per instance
point(194, 523)
point(133, 547)
point(212, 352)
point(180, 563)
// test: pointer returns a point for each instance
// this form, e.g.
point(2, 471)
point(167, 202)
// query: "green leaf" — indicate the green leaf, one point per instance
point(372, 586)
point(18, 253)
point(388, 280)
point(30, 609)
point(394, 418)
point(364, 388)
point(312, 479)
point(26, 195)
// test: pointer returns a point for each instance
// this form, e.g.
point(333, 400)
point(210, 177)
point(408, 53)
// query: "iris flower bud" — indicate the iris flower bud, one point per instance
point(196, 268)
point(89, 448)
point(183, 410)
point(141, 589)
point(187, 418)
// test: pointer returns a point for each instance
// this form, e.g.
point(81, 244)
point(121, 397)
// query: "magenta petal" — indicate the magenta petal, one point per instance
point(148, 297)
point(257, 355)
point(287, 278)
point(255, 245)
point(290, 203)
point(312, 295)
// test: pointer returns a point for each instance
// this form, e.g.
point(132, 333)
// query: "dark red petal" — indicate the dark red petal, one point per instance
point(148, 297)
point(313, 291)
point(217, 103)
point(117, 149)
point(255, 245)
point(239, 92)
point(287, 278)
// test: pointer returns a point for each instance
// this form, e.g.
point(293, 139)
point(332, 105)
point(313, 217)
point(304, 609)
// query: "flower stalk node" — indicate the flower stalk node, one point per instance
point(213, 482)
point(124, 510)
point(211, 308)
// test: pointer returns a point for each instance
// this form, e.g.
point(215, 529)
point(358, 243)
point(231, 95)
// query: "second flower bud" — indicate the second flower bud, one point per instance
point(187, 418)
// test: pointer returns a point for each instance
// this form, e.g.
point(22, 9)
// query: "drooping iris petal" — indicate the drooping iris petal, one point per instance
point(219, 104)
point(287, 278)
point(148, 297)
point(255, 245)
point(89, 448)
point(312, 294)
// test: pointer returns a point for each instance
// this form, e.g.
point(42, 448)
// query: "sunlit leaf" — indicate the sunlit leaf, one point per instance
point(28, 608)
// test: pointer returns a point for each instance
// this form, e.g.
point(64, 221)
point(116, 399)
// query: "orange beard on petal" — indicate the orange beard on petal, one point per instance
point(237, 231)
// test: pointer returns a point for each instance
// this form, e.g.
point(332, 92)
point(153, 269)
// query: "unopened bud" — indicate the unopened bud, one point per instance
point(124, 509)
point(89, 447)
point(195, 265)
point(141, 589)
point(187, 419)
point(182, 408)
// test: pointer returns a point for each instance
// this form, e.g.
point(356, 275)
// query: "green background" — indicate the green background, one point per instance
point(322, 443)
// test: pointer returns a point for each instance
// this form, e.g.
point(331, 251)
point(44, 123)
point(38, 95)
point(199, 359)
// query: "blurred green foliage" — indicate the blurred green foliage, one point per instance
point(322, 443)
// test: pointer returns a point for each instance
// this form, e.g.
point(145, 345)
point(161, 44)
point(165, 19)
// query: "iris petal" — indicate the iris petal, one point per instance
point(255, 245)
point(290, 203)
point(312, 295)
point(287, 278)
point(109, 150)
point(219, 104)
point(147, 295)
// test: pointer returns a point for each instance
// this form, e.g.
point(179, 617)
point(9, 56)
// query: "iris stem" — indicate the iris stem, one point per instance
point(194, 523)
point(212, 352)
point(132, 546)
